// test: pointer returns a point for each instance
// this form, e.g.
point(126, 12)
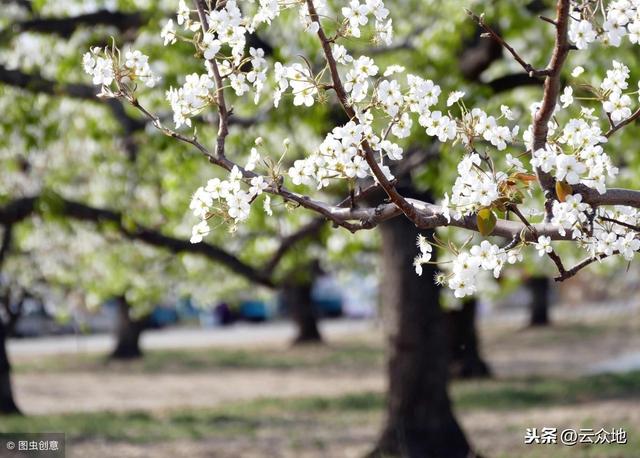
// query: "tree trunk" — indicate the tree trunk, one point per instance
point(7, 402)
point(540, 288)
point(298, 300)
point(466, 361)
point(128, 333)
point(419, 419)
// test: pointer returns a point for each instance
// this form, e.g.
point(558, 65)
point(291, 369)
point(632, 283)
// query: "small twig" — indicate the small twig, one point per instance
point(620, 223)
point(516, 211)
point(616, 127)
point(581, 265)
point(558, 262)
point(531, 71)
point(513, 243)
point(549, 20)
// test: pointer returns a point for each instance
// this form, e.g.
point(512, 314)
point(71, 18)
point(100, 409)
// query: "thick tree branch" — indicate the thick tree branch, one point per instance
point(65, 26)
point(20, 209)
point(550, 96)
point(5, 245)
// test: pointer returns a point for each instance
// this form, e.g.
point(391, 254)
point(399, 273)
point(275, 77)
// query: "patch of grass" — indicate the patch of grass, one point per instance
point(355, 355)
point(246, 419)
point(234, 419)
point(136, 427)
point(534, 392)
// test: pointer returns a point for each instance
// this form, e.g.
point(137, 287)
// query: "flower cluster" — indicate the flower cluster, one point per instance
point(357, 15)
point(610, 237)
point(615, 103)
point(227, 199)
point(571, 215)
point(339, 156)
point(425, 254)
point(190, 99)
point(622, 19)
point(576, 155)
point(100, 68)
point(299, 79)
point(474, 188)
point(227, 24)
point(106, 67)
point(138, 63)
point(468, 265)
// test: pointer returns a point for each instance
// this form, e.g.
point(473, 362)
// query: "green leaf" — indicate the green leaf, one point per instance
point(486, 221)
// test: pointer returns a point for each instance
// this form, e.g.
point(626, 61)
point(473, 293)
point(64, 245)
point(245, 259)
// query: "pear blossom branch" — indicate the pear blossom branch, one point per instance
point(550, 96)
point(620, 223)
point(223, 113)
point(616, 127)
point(426, 215)
point(558, 262)
point(566, 274)
point(388, 187)
point(322, 208)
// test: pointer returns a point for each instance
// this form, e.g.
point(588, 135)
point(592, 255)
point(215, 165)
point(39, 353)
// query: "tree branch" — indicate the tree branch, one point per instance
point(223, 113)
point(566, 274)
point(20, 209)
point(65, 26)
point(5, 245)
point(550, 96)
point(623, 123)
point(388, 187)
point(531, 71)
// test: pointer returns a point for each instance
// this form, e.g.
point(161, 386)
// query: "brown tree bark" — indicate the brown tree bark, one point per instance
point(128, 333)
point(297, 298)
point(7, 401)
point(540, 288)
point(419, 420)
point(466, 359)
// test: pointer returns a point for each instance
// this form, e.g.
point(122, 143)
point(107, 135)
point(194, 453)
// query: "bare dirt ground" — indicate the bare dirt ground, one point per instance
point(496, 435)
point(87, 392)
point(567, 349)
point(570, 348)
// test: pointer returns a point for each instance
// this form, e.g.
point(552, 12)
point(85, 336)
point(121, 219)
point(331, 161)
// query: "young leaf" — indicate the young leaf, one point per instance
point(486, 221)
